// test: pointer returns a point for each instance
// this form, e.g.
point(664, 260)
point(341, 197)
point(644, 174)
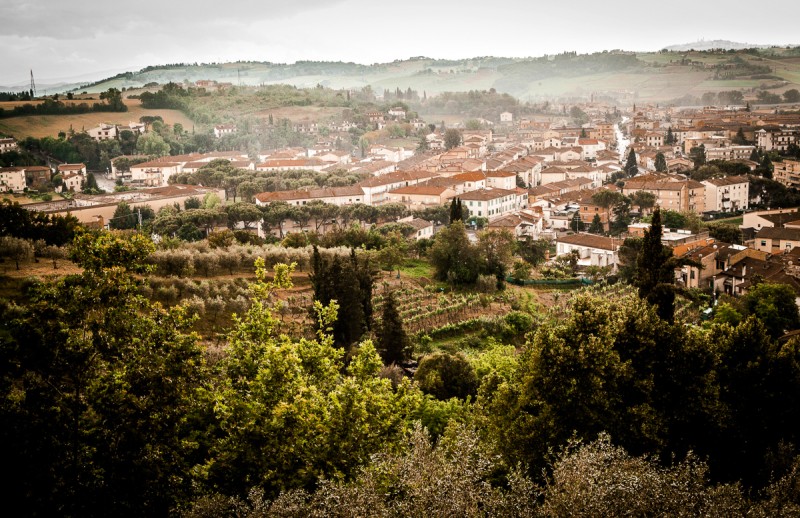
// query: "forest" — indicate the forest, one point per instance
point(120, 400)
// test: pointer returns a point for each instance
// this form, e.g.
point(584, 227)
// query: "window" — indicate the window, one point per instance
point(763, 242)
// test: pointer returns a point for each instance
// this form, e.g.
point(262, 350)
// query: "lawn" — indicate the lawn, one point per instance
point(416, 269)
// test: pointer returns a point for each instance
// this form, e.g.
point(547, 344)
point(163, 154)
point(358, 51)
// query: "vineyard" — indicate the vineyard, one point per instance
point(424, 310)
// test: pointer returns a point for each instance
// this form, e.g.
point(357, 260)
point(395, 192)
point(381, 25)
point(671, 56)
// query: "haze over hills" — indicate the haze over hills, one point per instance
point(618, 75)
point(716, 44)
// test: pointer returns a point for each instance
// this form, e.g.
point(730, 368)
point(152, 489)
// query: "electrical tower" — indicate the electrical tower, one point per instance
point(33, 86)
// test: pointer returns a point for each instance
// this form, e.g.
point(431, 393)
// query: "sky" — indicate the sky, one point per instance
point(93, 39)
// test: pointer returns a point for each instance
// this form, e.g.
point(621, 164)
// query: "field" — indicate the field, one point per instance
point(39, 126)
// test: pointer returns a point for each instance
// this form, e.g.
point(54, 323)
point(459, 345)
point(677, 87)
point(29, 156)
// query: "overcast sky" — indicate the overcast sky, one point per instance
point(91, 39)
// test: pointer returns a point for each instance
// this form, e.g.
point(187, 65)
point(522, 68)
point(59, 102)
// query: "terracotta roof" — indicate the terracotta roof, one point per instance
point(424, 190)
point(486, 194)
point(728, 180)
point(792, 234)
point(469, 177)
point(71, 167)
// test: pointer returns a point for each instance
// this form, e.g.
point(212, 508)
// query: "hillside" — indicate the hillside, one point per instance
point(622, 76)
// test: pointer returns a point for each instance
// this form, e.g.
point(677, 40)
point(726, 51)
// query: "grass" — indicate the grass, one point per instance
point(39, 126)
point(416, 269)
point(730, 221)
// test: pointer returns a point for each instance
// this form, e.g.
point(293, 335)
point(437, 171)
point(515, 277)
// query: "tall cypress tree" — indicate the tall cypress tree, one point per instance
point(654, 270)
point(392, 341)
point(349, 283)
point(631, 167)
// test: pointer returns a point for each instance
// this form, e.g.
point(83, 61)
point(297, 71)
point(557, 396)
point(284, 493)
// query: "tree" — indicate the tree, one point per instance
point(655, 270)
point(106, 382)
point(725, 233)
point(791, 96)
point(16, 249)
point(698, 155)
point(576, 224)
point(644, 200)
point(287, 413)
point(452, 138)
point(739, 139)
point(631, 165)
point(534, 252)
point(391, 339)
point(453, 257)
point(774, 305)
point(90, 185)
point(661, 163)
point(496, 249)
point(670, 138)
point(123, 218)
point(597, 225)
point(444, 376)
point(347, 281)
point(152, 144)
point(456, 210)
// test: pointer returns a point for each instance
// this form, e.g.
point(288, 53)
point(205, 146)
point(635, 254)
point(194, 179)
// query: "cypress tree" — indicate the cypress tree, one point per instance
point(631, 167)
point(654, 270)
point(393, 343)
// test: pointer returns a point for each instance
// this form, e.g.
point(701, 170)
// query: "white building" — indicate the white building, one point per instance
point(490, 203)
point(727, 194)
point(12, 179)
point(592, 250)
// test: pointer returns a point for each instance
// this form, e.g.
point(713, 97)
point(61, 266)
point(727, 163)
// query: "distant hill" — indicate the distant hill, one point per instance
point(714, 44)
point(616, 76)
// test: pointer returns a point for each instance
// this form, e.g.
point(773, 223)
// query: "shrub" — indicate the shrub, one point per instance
point(446, 376)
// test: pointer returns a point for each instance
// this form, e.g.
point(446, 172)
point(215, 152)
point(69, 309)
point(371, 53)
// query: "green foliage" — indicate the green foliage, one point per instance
point(310, 420)
point(725, 233)
point(452, 138)
point(97, 387)
point(444, 376)
point(661, 163)
point(774, 305)
point(16, 221)
point(348, 283)
point(631, 165)
point(597, 225)
point(123, 217)
point(392, 341)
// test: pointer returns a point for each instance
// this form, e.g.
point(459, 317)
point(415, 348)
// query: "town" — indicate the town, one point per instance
point(224, 298)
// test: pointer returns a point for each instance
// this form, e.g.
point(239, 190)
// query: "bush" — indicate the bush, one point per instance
point(446, 376)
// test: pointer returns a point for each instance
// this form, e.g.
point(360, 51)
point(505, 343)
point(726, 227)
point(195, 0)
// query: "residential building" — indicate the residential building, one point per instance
point(729, 152)
point(777, 239)
point(334, 195)
point(423, 229)
point(292, 164)
point(7, 144)
point(72, 168)
point(490, 203)
point(103, 132)
point(154, 173)
point(730, 193)
point(12, 179)
point(72, 181)
point(419, 196)
point(522, 224)
point(593, 250)
point(787, 172)
point(220, 130)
